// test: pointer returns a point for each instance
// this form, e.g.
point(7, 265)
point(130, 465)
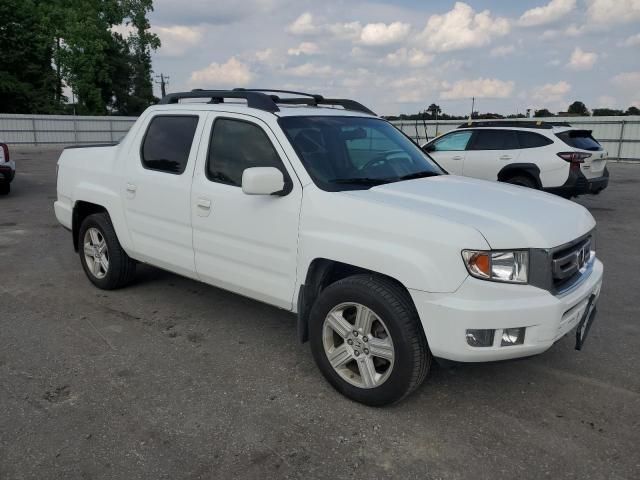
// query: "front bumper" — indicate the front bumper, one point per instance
point(7, 172)
point(479, 304)
point(578, 184)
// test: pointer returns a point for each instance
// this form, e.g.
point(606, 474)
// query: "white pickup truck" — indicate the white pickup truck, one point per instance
point(321, 208)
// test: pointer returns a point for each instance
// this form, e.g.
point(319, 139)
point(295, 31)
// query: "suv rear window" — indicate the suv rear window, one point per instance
point(580, 139)
point(167, 143)
point(533, 140)
point(494, 140)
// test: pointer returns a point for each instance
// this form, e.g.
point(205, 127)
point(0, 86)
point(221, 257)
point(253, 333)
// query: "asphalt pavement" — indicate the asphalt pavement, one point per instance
point(173, 379)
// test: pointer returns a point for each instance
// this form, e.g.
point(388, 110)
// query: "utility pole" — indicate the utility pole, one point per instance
point(473, 102)
point(164, 81)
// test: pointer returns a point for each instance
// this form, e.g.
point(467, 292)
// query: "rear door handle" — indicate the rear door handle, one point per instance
point(131, 188)
point(457, 157)
point(506, 157)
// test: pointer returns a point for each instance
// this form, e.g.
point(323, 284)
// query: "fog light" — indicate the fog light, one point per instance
point(512, 336)
point(480, 338)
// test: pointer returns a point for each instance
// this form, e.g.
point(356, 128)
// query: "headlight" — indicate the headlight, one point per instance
point(511, 266)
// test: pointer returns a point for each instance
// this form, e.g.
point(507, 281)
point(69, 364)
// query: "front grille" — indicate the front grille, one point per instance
point(569, 263)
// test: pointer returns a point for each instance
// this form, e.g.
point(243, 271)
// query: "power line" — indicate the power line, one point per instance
point(163, 82)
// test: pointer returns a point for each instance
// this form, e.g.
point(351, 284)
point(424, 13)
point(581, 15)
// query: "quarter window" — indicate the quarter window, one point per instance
point(532, 140)
point(495, 140)
point(453, 142)
point(235, 146)
point(167, 143)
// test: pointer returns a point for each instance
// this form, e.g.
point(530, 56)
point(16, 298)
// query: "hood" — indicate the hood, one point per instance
point(508, 216)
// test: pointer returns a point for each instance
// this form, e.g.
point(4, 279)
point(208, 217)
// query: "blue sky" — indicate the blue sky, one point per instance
point(399, 56)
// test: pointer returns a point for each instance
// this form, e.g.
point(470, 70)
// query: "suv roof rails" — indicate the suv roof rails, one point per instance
point(514, 123)
point(260, 99)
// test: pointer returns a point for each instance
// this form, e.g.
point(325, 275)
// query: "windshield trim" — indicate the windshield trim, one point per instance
point(330, 186)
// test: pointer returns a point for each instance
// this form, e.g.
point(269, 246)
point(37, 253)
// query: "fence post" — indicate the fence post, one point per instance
point(111, 130)
point(75, 130)
point(621, 139)
point(35, 138)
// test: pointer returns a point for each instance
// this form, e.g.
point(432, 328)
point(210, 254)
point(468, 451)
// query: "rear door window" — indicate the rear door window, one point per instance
point(533, 140)
point(495, 140)
point(452, 142)
point(167, 143)
point(580, 139)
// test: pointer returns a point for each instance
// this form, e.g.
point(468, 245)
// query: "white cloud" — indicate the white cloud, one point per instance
point(303, 25)
point(605, 101)
point(305, 48)
point(411, 58)
point(631, 41)
point(265, 56)
point(551, 12)
point(551, 92)
point(502, 51)
point(232, 73)
point(609, 12)
point(462, 28)
point(627, 80)
point(374, 34)
point(479, 88)
point(347, 31)
point(581, 60)
point(312, 70)
point(177, 39)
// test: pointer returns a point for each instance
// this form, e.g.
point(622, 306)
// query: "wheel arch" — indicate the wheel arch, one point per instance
point(321, 273)
point(82, 210)
point(513, 169)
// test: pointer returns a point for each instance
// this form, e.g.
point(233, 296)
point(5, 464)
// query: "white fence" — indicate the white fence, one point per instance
point(619, 135)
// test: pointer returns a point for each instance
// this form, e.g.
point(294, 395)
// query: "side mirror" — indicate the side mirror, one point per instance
point(262, 181)
point(429, 148)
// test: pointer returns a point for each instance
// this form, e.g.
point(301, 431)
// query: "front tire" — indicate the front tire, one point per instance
point(367, 340)
point(104, 261)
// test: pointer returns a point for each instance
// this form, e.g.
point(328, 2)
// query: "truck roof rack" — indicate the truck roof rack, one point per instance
point(514, 123)
point(266, 99)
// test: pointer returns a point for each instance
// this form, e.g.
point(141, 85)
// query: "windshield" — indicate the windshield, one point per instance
point(347, 153)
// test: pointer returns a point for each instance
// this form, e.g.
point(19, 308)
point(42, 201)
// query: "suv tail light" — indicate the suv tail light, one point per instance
point(4, 153)
point(574, 158)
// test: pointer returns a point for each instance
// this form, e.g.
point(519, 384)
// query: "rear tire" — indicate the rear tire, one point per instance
point(381, 354)
point(5, 188)
point(104, 261)
point(523, 181)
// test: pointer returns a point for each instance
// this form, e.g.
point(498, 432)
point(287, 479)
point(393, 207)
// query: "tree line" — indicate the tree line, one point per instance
point(46, 45)
point(434, 112)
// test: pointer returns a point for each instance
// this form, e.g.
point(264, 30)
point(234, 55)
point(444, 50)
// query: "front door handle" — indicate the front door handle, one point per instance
point(131, 188)
point(457, 157)
point(204, 207)
point(506, 157)
point(204, 203)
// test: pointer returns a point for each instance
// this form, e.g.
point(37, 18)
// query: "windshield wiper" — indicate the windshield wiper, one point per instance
point(361, 181)
point(425, 174)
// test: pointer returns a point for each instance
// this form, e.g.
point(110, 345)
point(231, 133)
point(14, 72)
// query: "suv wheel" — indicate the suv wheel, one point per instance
point(104, 261)
point(523, 181)
point(367, 340)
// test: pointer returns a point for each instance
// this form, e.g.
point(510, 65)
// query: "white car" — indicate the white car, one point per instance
point(321, 208)
point(7, 169)
point(552, 157)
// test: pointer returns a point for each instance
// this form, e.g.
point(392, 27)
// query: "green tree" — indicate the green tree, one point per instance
point(27, 79)
point(606, 112)
point(632, 111)
point(543, 112)
point(578, 108)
